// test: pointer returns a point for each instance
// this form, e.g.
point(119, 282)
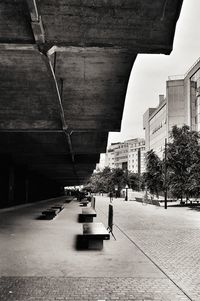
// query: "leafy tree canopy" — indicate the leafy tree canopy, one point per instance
point(153, 177)
point(183, 162)
point(111, 180)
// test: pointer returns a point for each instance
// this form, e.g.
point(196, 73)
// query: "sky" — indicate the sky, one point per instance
point(150, 72)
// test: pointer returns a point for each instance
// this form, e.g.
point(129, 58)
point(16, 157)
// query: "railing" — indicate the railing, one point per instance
point(176, 77)
point(179, 77)
point(197, 61)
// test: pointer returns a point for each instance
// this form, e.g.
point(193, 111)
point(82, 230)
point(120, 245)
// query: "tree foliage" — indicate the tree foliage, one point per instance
point(183, 162)
point(111, 180)
point(100, 181)
point(134, 181)
point(153, 176)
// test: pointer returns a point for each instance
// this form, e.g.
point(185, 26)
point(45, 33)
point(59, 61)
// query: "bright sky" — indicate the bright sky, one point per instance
point(150, 72)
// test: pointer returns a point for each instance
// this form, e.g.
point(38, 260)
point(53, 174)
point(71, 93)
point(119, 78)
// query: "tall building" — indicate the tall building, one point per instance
point(102, 163)
point(192, 95)
point(136, 155)
point(155, 125)
point(180, 106)
point(110, 155)
point(129, 155)
point(121, 156)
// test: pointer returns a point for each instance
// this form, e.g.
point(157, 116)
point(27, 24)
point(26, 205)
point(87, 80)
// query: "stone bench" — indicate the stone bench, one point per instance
point(58, 206)
point(68, 200)
point(138, 199)
point(50, 213)
point(87, 215)
point(94, 234)
point(84, 202)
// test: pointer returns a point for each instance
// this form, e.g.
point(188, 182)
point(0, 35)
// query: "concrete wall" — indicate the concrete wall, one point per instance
point(188, 91)
point(146, 127)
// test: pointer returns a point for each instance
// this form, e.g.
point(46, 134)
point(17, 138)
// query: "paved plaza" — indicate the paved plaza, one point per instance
point(155, 255)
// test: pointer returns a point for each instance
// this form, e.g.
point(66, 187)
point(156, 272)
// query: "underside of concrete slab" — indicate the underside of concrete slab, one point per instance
point(65, 67)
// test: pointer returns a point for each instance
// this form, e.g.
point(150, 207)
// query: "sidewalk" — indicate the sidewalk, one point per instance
point(155, 257)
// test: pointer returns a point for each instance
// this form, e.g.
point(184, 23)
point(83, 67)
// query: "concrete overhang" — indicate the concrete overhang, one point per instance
point(65, 67)
point(93, 83)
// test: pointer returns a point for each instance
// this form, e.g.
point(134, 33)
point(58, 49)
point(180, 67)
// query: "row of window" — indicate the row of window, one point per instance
point(137, 144)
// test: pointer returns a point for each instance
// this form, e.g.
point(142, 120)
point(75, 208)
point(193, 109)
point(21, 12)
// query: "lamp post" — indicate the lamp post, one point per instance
point(165, 174)
point(126, 197)
point(116, 189)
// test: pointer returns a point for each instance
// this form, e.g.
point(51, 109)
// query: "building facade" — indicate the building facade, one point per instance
point(110, 155)
point(136, 155)
point(192, 96)
point(128, 155)
point(102, 163)
point(180, 106)
point(156, 127)
point(121, 156)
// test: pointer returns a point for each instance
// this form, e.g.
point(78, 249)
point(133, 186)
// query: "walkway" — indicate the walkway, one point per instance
point(155, 257)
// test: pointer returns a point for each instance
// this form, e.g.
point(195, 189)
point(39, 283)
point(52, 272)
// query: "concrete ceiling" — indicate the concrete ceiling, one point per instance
point(64, 70)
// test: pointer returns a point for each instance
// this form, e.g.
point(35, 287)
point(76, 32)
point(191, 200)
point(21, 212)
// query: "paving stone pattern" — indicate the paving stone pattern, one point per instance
point(177, 254)
point(155, 257)
point(170, 238)
point(91, 289)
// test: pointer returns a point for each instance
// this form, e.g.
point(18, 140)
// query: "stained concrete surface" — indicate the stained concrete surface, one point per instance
point(34, 247)
point(74, 58)
point(155, 257)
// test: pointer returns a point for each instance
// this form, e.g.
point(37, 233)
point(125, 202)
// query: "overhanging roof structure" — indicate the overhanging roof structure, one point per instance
point(64, 70)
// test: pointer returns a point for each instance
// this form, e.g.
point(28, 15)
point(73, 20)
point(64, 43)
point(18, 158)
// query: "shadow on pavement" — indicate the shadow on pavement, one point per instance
point(191, 206)
point(197, 208)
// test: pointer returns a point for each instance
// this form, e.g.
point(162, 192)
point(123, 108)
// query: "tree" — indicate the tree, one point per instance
point(107, 181)
point(183, 162)
point(194, 180)
point(118, 179)
point(99, 181)
point(134, 181)
point(153, 177)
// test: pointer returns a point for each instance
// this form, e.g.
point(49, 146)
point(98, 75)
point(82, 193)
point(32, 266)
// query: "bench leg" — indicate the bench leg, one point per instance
point(95, 244)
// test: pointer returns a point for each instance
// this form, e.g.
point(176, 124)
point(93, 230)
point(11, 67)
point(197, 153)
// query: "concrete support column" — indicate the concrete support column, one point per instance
point(26, 190)
point(11, 184)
